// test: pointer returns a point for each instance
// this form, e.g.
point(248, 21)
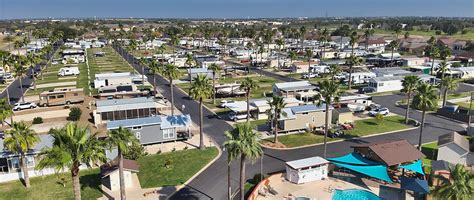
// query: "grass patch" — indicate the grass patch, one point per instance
point(431, 152)
point(48, 187)
point(183, 165)
point(466, 105)
point(458, 95)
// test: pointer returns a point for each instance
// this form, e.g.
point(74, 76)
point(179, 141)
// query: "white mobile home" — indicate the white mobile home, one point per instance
point(385, 84)
point(112, 79)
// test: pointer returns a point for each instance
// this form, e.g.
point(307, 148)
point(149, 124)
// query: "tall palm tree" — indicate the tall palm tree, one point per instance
point(409, 84)
point(309, 55)
point(248, 85)
point(392, 46)
point(171, 72)
point(5, 112)
point(302, 32)
point(122, 139)
point(292, 55)
point(189, 62)
point(143, 62)
point(174, 42)
point(354, 39)
point(424, 100)
point(279, 42)
point(459, 186)
point(243, 141)
point(447, 84)
point(32, 59)
point(367, 34)
point(18, 44)
point(20, 72)
point(324, 38)
point(433, 52)
point(329, 92)
point(334, 69)
point(201, 89)
point(277, 104)
point(72, 146)
point(215, 70)
point(155, 69)
point(443, 68)
point(22, 139)
point(161, 50)
point(352, 61)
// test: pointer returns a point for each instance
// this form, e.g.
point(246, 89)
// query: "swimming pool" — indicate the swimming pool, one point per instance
point(354, 194)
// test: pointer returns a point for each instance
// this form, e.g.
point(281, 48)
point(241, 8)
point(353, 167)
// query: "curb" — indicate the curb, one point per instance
point(342, 140)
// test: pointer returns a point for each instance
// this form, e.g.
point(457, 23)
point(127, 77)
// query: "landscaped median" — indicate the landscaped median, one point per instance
point(363, 127)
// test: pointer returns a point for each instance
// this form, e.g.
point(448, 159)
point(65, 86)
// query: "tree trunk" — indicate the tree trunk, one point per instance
point(201, 139)
point(229, 187)
point(21, 89)
point(445, 95)
point(275, 128)
point(421, 129)
point(122, 179)
point(278, 58)
point(76, 185)
point(350, 77)
point(172, 97)
point(214, 88)
point(24, 168)
point(248, 104)
point(242, 177)
point(326, 129)
point(143, 75)
point(432, 65)
point(407, 113)
point(154, 83)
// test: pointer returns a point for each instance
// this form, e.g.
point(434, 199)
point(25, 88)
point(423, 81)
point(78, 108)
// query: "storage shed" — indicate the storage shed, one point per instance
point(307, 170)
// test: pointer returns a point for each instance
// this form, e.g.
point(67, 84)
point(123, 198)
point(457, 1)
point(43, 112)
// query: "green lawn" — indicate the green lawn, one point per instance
point(362, 128)
point(459, 95)
point(48, 187)
point(468, 36)
point(466, 105)
point(183, 165)
point(431, 152)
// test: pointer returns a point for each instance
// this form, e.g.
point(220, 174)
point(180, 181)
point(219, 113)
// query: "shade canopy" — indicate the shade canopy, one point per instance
point(416, 167)
point(375, 171)
point(353, 159)
point(415, 185)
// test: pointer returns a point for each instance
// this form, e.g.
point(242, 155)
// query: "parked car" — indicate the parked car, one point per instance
point(309, 75)
point(224, 103)
point(237, 116)
point(23, 106)
point(7, 76)
point(336, 132)
point(382, 111)
point(364, 90)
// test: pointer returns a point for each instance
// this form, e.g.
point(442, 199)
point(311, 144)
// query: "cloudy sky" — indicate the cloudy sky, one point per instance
point(14, 9)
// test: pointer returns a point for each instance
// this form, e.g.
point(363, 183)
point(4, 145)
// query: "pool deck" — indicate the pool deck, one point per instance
point(323, 189)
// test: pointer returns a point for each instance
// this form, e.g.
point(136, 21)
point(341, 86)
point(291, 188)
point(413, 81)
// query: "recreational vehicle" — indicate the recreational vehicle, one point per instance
point(61, 96)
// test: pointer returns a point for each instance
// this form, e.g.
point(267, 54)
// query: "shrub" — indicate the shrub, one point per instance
point(438, 32)
point(134, 152)
point(379, 118)
point(37, 120)
point(74, 114)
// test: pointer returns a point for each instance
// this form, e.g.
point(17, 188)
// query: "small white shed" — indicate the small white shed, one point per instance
point(307, 170)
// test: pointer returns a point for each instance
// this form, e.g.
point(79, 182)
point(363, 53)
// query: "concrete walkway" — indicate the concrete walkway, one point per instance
point(133, 192)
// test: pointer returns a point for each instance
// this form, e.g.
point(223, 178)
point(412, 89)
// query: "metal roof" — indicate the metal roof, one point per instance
point(45, 141)
point(309, 108)
point(307, 162)
point(165, 122)
point(387, 78)
point(292, 84)
point(124, 104)
point(175, 121)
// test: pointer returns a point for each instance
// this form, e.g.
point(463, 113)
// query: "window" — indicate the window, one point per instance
point(168, 133)
point(305, 113)
point(60, 96)
point(380, 84)
point(137, 128)
point(52, 97)
point(138, 135)
point(30, 161)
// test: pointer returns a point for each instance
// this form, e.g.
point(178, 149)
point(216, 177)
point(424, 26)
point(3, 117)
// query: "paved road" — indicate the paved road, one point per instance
point(14, 89)
point(212, 183)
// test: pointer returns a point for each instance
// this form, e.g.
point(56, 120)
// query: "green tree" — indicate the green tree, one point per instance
point(72, 146)
point(279, 42)
point(324, 38)
point(409, 84)
point(201, 89)
point(309, 55)
point(392, 46)
point(122, 139)
point(5, 112)
point(329, 93)
point(352, 61)
point(143, 63)
point(248, 85)
point(20, 72)
point(334, 69)
point(189, 62)
point(447, 84)
point(171, 72)
point(21, 139)
point(424, 100)
point(243, 141)
point(215, 70)
point(459, 185)
point(277, 104)
point(155, 69)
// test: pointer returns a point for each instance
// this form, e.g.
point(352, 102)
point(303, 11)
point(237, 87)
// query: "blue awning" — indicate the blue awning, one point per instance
point(414, 184)
point(416, 167)
point(354, 159)
point(375, 171)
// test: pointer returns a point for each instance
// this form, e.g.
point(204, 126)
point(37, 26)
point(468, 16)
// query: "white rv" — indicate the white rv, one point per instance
point(68, 71)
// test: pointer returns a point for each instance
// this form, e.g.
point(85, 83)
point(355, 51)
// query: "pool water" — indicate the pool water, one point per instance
point(354, 194)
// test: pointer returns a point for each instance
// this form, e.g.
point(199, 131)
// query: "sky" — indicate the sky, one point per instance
point(28, 9)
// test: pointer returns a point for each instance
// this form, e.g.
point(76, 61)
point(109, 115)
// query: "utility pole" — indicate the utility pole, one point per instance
point(470, 115)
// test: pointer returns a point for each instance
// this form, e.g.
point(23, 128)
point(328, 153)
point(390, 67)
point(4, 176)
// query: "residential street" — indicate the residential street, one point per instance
point(212, 183)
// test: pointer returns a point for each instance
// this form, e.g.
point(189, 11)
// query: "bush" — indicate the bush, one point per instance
point(37, 120)
point(438, 32)
point(379, 118)
point(74, 114)
point(135, 152)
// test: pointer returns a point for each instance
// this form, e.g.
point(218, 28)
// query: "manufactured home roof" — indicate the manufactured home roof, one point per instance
point(112, 75)
point(308, 108)
point(165, 121)
point(307, 162)
point(455, 138)
point(386, 78)
point(124, 104)
point(293, 84)
point(44, 141)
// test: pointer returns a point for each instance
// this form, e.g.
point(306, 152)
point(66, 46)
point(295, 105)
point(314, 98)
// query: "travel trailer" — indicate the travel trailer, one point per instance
point(68, 71)
point(63, 96)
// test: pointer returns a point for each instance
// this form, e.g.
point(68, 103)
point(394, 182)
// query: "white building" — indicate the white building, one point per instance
point(112, 79)
point(307, 170)
point(110, 174)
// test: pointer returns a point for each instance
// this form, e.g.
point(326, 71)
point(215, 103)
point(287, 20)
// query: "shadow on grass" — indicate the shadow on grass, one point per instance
point(370, 123)
point(430, 152)
point(90, 181)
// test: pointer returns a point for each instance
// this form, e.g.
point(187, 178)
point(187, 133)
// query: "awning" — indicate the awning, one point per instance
point(376, 171)
point(414, 184)
point(354, 159)
point(416, 167)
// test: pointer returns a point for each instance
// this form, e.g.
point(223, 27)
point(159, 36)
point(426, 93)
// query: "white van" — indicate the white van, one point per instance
point(68, 71)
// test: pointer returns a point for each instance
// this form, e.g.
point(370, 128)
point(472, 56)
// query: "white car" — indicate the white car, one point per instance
point(23, 106)
point(310, 75)
point(234, 116)
point(224, 103)
point(382, 111)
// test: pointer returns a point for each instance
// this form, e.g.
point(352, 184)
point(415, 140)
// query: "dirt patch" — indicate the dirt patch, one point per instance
point(277, 145)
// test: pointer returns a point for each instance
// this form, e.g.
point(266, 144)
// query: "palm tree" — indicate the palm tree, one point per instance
point(189, 62)
point(20, 71)
point(424, 100)
point(155, 69)
point(392, 46)
point(334, 69)
point(292, 55)
point(447, 84)
point(329, 92)
point(201, 89)
point(215, 70)
point(459, 186)
point(174, 41)
point(248, 85)
point(367, 34)
point(72, 146)
point(171, 72)
point(432, 51)
point(354, 38)
point(22, 139)
point(32, 60)
point(275, 113)
point(243, 141)
point(143, 62)
point(352, 61)
point(302, 33)
point(309, 55)
point(161, 50)
point(280, 43)
point(123, 139)
point(18, 44)
point(5, 112)
point(409, 84)
point(443, 68)
point(324, 37)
